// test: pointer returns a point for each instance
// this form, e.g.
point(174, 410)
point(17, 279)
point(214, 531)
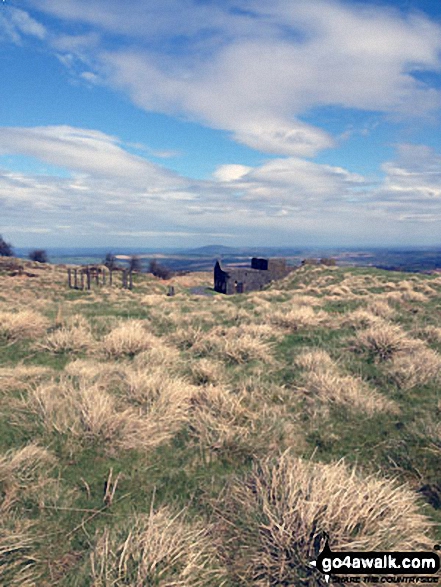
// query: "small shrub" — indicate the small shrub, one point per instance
point(159, 270)
point(39, 256)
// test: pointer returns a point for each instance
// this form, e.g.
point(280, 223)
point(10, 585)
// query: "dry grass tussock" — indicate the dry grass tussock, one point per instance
point(162, 548)
point(380, 308)
point(328, 387)
point(415, 296)
point(415, 368)
point(128, 339)
point(224, 423)
point(277, 516)
point(92, 371)
point(207, 372)
point(82, 412)
point(159, 355)
point(22, 324)
point(429, 428)
point(318, 361)
point(145, 386)
point(362, 317)
point(18, 556)
point(384, 340)
point(235, 345)
point(22, 375)
point(73, 336)
point(23, 471)
point(298, 317)
point(322, 382)
point(186, 338)
point(155, 300)
point(68, 340)
point(432, 333)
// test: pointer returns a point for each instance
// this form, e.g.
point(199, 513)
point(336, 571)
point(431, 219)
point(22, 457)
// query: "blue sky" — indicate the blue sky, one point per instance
point(243, 122)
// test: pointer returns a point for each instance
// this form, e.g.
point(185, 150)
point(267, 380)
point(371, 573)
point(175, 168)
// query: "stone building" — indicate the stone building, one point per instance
point(232, 280)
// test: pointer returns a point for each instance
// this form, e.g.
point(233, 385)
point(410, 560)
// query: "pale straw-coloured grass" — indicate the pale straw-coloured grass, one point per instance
point(206, 371)
point(277, 517)
point(18, 553)
point(432, 333)
point(128, 339)
point(234, 345)
point(75, 339)
point(21, 375)
point(223, 423)
point(22, 324)
point(380, 308)
point(362, 317)
point(298, 317)
point(412, 369)
point(22, 466)
point(84, 412)
point(415, 296)
point(384, 340)
point(328, 387)
point(317, 361)
point(161, 548)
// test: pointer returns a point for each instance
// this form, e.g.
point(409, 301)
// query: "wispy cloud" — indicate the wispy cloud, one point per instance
point(282, 200)
point(16, 23)
point(255, 68)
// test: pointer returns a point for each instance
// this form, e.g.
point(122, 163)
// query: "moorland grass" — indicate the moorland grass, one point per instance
point(188, 404)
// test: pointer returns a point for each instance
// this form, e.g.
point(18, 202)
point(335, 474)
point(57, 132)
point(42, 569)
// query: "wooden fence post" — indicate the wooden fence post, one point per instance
point(75, 279)
point(88, 278)
point(130, 280)
point(82, 280)
point(69, 278)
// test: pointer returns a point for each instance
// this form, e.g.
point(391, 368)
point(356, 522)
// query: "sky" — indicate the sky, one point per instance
point(169, 123)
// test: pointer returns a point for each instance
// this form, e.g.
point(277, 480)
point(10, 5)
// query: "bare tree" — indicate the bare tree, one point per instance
point(159, 270)
point(135, 263)
point(110, 261)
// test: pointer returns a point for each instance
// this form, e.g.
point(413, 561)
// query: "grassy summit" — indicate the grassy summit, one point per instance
point(212, 440)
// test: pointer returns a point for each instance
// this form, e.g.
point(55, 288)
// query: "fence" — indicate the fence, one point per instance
point(83, 278)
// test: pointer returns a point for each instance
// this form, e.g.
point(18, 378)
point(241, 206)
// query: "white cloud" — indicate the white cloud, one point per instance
point(253, 67)
point(112, 194)
point(85, 151)
point(231, 172)
point(14, 23)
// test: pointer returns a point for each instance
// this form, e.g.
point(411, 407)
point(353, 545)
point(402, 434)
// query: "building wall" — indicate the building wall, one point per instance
point(241, 280)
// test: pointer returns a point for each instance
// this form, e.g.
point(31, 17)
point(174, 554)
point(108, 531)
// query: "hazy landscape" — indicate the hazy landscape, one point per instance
point(203, 258)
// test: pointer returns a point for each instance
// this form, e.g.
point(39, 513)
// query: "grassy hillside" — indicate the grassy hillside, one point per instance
point(212, 440)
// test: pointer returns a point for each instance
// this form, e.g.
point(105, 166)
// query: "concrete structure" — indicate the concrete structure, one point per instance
point(232, 280)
